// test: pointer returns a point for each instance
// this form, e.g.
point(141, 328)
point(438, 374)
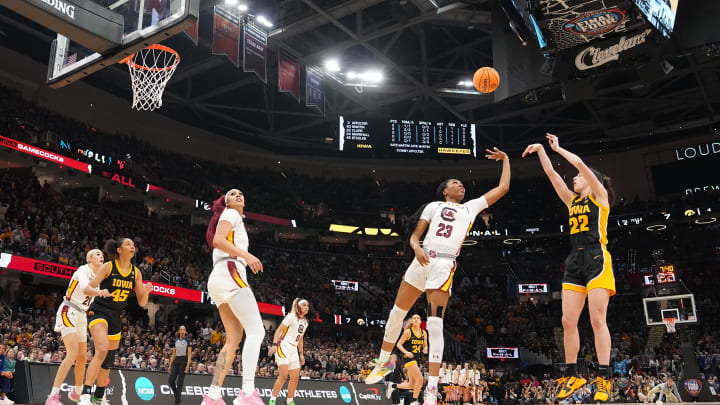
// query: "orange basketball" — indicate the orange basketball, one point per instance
point(486, 80)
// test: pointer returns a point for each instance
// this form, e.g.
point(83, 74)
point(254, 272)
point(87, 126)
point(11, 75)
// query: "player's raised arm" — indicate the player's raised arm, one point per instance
point(596, 185)
point(562, 190)
point(503, 186)
point(91, 289)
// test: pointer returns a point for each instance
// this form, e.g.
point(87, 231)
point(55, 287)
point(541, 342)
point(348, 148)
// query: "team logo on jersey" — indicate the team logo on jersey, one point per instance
point(693, 387)
point(448, 214)
point(595, 23)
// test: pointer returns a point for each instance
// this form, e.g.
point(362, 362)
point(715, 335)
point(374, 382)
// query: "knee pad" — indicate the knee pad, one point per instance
point(436, 339)
point(393, 327)
point(109, 360)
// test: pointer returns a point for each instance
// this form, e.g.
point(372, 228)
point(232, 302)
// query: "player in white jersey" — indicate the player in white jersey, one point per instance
point(447, 222)
point(229, 289)
point(71, 322)
point(288, 349)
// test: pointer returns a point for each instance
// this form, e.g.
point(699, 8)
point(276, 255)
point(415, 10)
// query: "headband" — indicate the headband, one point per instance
point(227, 195)
point(301, 302)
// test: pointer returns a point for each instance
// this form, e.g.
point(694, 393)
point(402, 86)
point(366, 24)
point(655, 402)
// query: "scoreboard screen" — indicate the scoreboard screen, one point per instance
point(399, 137)
point(502, 353)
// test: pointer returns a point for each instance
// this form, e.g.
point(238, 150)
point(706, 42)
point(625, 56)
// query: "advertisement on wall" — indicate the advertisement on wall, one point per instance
point(135, 387)
point(25, 264)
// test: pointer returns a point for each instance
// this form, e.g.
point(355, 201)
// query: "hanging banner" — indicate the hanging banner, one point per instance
point(226, 35)
point(192, 31)
point(314, 96)
point(255, 51)
point(288, 73)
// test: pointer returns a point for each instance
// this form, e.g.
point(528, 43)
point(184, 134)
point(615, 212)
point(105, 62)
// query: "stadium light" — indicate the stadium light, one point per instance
point(243, 7)
point(332, 65)
point(264, 21)
point(352, 75)
point(372, 76)
point(231, 2)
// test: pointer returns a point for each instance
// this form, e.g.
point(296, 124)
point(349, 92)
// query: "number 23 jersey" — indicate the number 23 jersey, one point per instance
point(449, 224)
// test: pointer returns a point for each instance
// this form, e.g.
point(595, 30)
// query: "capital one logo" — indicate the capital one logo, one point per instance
point(61, 6)
point(448, 214)
point(373, 395)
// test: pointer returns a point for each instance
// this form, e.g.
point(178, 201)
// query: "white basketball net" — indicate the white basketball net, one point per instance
point(150, 70)
point(669, 324)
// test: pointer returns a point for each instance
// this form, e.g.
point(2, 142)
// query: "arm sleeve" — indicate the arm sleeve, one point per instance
point(476, 206)
point(429, 211)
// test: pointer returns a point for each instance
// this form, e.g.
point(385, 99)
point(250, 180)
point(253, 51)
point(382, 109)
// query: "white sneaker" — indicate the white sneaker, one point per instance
point(390, 389)
point(85, 400)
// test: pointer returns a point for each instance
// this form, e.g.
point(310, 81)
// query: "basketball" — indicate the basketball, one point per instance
point(486, 80)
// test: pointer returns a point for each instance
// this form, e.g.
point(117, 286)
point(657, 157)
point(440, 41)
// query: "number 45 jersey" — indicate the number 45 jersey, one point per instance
point(449, 225)
point(120, 284)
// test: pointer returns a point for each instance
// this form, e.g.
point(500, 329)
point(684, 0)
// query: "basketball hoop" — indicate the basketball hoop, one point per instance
point(669, 324)
point(150, 70)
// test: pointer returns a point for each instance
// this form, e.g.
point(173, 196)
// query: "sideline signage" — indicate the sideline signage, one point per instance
point(130, 386)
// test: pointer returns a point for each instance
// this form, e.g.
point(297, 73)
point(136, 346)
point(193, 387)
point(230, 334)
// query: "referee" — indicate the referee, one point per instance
point(179, 364)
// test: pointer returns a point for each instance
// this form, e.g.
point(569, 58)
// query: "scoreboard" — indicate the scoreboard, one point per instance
point(404, 137)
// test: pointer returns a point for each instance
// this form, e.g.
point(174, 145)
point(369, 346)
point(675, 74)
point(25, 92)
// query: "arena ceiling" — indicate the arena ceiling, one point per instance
point(423, 51)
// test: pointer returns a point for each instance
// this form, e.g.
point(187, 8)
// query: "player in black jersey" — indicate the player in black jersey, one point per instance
point(414, 346)
point(588, 268)
point(120, 277)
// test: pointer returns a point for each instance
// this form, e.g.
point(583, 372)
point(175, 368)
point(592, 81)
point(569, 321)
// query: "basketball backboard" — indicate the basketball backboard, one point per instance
point(145, 22)
point(680, 307)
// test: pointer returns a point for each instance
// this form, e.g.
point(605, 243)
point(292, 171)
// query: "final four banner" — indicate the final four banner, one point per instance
point(226, 35)
point(288, 73)
point(314, 87)
point(255, 51)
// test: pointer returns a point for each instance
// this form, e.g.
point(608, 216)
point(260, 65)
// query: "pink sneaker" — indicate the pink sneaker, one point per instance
point(209, 401)
point(252, 399)
point(74, 396)
point(53, 399)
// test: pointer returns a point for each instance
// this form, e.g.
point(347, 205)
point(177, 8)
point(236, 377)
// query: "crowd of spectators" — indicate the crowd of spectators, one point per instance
point(40, 221)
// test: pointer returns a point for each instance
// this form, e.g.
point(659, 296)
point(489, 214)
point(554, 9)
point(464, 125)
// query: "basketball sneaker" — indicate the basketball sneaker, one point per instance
point(604, 388)
point(209, 401)
point(53, 399)
point(379, 371)
point(570, 385)
point(252, 399)
point(74, 396)
point(390, 389)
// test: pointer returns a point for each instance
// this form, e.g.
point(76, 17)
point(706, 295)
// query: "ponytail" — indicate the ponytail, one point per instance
point(111, 247)
point(607, 183)
point(296, 306)
point(218, 207)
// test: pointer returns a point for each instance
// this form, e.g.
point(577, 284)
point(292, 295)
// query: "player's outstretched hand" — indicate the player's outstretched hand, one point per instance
point(496, 154)
point(553, 141)
point(254, 263)
point(104, 293)
point(536, 147)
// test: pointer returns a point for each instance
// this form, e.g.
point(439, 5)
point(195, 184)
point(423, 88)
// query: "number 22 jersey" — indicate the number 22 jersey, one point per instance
point(449, 224)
